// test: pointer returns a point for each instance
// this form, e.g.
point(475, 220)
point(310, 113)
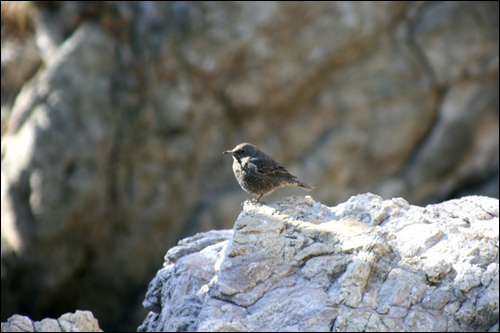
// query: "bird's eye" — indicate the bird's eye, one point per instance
point(242, 151)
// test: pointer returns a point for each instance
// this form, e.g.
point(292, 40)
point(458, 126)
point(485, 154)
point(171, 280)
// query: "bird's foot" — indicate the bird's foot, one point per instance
point(256, 201)
point(252, 201)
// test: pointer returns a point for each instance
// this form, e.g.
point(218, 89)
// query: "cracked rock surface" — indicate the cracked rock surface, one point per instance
point(365, 265)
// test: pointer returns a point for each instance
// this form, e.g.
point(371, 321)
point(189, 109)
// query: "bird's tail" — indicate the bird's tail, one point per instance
point(304, 186)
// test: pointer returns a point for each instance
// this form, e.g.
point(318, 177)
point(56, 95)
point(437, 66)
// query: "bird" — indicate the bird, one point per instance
point(258, 174)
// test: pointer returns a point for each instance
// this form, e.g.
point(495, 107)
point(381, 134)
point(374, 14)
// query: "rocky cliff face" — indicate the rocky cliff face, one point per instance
point(115, 114)
point(366, 265)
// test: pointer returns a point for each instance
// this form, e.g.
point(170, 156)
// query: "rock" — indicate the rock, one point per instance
point(365, 265)
point(115, 117)
point(80, 321)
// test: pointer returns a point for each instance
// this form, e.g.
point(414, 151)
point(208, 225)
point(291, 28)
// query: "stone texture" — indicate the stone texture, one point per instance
point(114, 121)
point(80, 321)
point(365, 265)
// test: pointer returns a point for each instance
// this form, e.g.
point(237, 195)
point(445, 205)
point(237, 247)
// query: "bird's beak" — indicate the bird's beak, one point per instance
point(227, 152)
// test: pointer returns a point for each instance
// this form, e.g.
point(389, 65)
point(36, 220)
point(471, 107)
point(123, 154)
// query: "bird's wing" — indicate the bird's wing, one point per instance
point(270, 167)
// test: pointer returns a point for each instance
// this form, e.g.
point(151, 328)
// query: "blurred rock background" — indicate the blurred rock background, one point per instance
point(115, 116)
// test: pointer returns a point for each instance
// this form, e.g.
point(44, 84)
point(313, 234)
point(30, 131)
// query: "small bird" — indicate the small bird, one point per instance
point(258, 174)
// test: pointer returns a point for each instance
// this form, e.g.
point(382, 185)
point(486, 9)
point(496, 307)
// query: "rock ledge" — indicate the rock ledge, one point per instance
point(365, 265)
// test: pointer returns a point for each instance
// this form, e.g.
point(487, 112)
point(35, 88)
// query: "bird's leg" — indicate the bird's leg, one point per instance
point(258, 200)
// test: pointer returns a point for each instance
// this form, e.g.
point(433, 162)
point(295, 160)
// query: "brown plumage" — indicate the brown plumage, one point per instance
point(258, 174)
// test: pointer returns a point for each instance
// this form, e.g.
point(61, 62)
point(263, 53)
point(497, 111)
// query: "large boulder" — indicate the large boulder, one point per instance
point(365, 265)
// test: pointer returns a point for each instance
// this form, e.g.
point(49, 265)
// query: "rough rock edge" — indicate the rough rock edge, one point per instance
point(80, 321)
